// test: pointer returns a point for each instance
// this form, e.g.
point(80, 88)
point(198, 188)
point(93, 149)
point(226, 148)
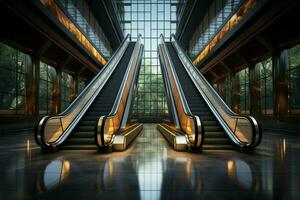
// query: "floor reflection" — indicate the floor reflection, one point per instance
point(150, 169)
point(54, 174)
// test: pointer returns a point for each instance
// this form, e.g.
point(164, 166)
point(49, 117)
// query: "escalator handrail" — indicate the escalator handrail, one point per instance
point(104, 73)
point(198, 128)
point(255, 126)
point(169, 93)
point(105, 128)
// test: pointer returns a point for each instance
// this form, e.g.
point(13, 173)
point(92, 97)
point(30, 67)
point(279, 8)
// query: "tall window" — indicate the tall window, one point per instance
point(294, 78)
point(66, 90)
point(149, 18)
point(244, 91)
point(266, 86)
point(12, 80)
point(46, 88)
point(228, 90)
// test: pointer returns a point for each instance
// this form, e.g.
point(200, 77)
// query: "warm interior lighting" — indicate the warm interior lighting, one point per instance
point(28, 148)
point(64, 20)
point(65, 170)
point(233, 21)
point(186, 121)
point(113, 121)
point(230, 166)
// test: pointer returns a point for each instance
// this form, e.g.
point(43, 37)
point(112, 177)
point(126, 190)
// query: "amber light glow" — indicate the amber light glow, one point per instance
point(64, 20)
point(233, 21)
point(186, 121)
point(113, 120)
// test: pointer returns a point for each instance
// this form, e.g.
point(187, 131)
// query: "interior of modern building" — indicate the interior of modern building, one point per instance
point(140, 99)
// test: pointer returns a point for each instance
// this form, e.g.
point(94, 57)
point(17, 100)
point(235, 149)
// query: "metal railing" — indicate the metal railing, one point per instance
point(52, 131)
point(190, 124)
point(109, 125)
point(244, 131)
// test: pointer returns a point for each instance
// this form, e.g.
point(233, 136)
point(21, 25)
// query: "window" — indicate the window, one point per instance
point(46, 88)
point(244, 91)
point(12, 80)
point(294, 77)
point(266, 86)
point(150, 18)
point(67, 92)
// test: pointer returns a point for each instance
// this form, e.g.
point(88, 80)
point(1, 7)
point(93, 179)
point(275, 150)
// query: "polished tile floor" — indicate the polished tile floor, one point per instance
point(150, 169)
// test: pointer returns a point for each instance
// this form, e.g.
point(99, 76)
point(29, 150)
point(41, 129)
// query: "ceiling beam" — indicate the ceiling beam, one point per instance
point(44, 47)
point(266, 42)
point(223, 63)
point(214, 73)
point(66, 61)
point(81, 70)
point(244, 58)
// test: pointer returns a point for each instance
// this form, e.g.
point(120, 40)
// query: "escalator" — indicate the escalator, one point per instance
point(83, 135)
point(215, 137)
point(197, 112)
point(99, 117)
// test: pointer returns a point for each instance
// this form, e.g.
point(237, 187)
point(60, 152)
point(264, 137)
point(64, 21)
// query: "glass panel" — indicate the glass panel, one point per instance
point(294, 78)
point(152, 19)
point(12, 80)
point(244, 91)
point(265, 70)
point(46, 88)
point(66, 90)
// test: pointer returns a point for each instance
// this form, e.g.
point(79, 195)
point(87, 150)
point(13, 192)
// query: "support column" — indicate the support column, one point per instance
point(57, 92)
point(280, 80)
point(254, 88)
point(235, 101)
point(32, 87)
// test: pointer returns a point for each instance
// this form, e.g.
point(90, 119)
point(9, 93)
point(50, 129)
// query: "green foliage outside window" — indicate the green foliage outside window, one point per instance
point(46, 88)
point(266, 86)
point(66, 90)
point(12, 80)
point(244, 91)
point(294, 77)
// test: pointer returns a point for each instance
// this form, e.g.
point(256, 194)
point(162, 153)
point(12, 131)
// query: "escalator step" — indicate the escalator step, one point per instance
point(217, 141)
point(215, 135)
point(212, 128)
point(203, 113)
point(217, 147)
point(91, 117)
point(81, 141)
point(87, 123)
point(81, 134)
point(85, 128)
point(210, 123)
point(91, 113)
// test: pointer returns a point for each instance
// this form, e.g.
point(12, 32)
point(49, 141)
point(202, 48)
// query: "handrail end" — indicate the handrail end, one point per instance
point(199, 132)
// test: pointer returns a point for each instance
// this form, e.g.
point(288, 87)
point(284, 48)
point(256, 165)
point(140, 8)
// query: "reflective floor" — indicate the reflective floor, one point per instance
point(150, 169)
